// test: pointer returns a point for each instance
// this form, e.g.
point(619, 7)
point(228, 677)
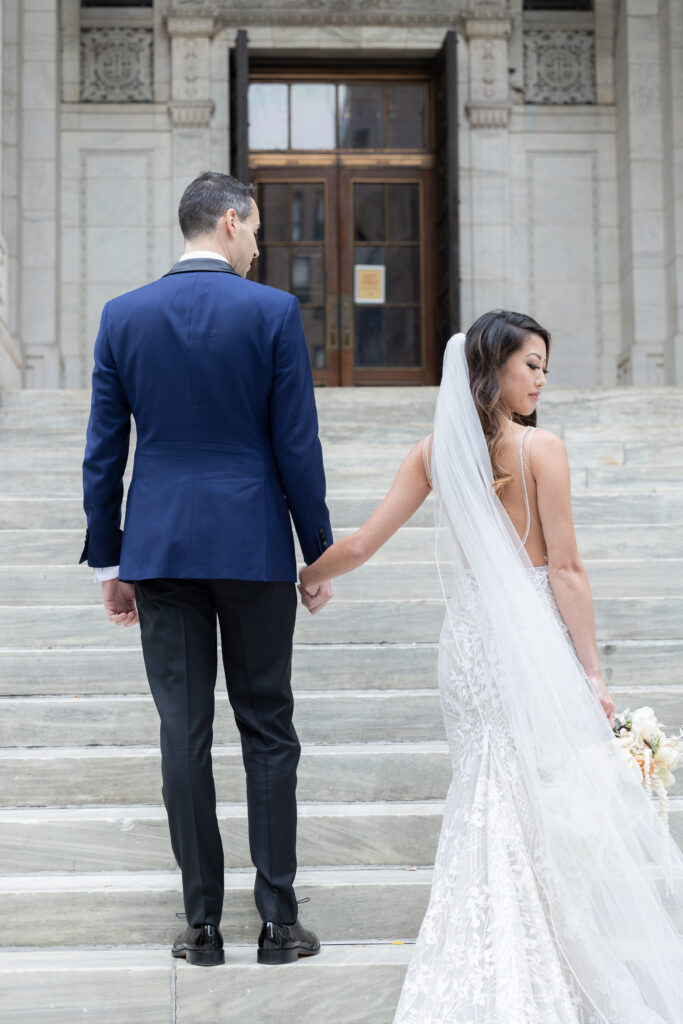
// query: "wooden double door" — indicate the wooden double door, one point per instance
point(357, 248)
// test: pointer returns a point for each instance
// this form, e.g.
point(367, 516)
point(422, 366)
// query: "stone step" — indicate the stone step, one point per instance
point(359, 477)
point(598, 511)
point(36, 671)
point(358, 458)
point(579, 405)
point(135, 838)
point(377, 580)
point(346, 716)
point(54, 429)
point(344, 622)
point(347, 984)
point(44, 547)
point(347, 904)
point(334, 717)
point(61, 776)
point(319, 667)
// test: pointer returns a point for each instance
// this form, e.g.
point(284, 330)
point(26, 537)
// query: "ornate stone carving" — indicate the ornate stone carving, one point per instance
point(196, 114)
point(489, 91)
point(116, 65)
point(327, 12)
point(559, 66)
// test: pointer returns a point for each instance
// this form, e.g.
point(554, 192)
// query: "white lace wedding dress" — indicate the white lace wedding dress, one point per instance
point(515, 933)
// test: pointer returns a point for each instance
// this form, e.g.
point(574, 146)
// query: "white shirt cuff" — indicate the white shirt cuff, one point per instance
point(110, 573)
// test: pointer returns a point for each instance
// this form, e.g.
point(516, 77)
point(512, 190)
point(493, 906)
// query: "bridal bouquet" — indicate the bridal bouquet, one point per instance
point(650, 752)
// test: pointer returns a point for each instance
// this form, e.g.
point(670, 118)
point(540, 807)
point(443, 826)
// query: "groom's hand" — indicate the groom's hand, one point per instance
point(316, 599)
point(119, 602)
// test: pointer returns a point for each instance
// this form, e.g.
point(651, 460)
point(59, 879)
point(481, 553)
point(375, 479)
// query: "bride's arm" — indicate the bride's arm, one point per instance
point(568, 578)
point(407, 493)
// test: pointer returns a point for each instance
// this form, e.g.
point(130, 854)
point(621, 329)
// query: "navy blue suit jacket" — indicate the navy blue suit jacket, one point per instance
point(216, 373)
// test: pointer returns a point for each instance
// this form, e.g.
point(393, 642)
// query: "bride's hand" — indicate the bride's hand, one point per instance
point(314, 597)
point(603, 695)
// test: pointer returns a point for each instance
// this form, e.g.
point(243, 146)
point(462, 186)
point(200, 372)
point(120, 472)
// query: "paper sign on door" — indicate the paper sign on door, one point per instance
point(369, 284)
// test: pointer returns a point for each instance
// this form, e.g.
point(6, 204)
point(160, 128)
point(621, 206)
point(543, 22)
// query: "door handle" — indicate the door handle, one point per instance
point(347, 323)
point(332, 333)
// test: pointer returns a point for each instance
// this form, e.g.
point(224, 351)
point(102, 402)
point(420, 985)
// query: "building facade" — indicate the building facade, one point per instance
point(417, 162)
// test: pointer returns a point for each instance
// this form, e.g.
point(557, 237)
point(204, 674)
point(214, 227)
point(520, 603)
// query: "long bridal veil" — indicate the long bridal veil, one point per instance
point(608, 878)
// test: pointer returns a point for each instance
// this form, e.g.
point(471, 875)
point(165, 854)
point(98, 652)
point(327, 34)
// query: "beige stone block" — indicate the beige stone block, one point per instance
point(646, 184)
point(38, 134)
point(71, 255)
point(38, 185)
point(490, 251)
point(647, 236)
point(69, 320)
point(126, 202)
point(38, 306)
point(39, 85)
point(117, 253)
point(38, 240)
point(39, 35)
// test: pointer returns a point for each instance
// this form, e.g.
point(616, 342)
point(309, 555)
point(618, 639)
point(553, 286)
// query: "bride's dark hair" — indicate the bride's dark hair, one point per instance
point(490, 342)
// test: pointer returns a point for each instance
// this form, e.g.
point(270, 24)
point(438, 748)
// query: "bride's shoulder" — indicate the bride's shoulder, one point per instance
point(548, 450)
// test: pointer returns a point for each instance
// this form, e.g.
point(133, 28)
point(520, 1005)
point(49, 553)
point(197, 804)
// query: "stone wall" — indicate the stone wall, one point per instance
point(571, 151)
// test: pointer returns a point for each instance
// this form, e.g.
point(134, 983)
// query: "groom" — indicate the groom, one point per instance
point(215, 371)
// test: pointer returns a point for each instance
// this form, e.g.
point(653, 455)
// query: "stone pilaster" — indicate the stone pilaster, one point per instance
point(191, 105)
point(640, 188)
point(38, 118)
point(671, 42)
point(487, 32)
point(10, 359)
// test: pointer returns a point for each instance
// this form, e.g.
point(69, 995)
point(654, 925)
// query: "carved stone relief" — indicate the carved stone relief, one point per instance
point(116, 65)
point(335, 12)
point(559, 66)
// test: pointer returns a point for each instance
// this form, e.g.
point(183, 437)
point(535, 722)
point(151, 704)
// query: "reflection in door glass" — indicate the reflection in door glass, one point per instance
point(403, 338)
point(313, 109)
point(273, 200)
point(314, 329)
point(405, 117)
point(403, 213)
point(307, 275)
point(368, 212)
point(371, 336)
point(360, 117)
point(268, 116)
point(308, 212)
point(273, 266)
point(403, 274)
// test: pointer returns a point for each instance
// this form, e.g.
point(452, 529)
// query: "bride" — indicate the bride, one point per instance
point(557, 895)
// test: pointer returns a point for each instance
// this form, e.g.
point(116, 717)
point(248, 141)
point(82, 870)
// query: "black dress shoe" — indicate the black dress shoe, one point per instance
point(202, 946)
point(285, 943)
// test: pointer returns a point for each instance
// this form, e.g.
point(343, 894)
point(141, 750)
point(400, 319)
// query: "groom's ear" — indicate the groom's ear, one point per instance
point(229, 222)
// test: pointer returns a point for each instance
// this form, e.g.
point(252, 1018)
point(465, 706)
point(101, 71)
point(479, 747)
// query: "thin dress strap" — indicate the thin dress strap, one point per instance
point(524, 487)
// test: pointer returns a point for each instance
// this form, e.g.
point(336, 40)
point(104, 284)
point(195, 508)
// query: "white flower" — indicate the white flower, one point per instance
point(666, 778)
point(644, 726)
point(668, 754)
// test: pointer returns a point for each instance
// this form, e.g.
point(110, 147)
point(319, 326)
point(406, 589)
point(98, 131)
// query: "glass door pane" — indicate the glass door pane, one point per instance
point(298, 256)
point(388, 308)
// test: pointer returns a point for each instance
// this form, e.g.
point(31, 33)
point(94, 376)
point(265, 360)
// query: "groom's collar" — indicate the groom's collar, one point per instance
point(202, 263)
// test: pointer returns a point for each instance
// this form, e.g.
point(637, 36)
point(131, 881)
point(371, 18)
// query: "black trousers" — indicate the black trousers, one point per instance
point(178, 625)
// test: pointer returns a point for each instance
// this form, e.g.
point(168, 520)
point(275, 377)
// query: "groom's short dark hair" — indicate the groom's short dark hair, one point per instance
point(207, 198)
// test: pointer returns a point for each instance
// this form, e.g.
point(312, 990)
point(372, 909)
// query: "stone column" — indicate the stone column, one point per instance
point(671, 42)
point(640, 190)
point(488, 107)
point(191, 105)
point(10, 358)
point(39, 148)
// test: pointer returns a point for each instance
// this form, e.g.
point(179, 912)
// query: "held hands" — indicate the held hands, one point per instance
point(119, 602)
point(314, 597)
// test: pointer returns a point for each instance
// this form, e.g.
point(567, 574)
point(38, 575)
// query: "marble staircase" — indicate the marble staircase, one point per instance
point(88, 886)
